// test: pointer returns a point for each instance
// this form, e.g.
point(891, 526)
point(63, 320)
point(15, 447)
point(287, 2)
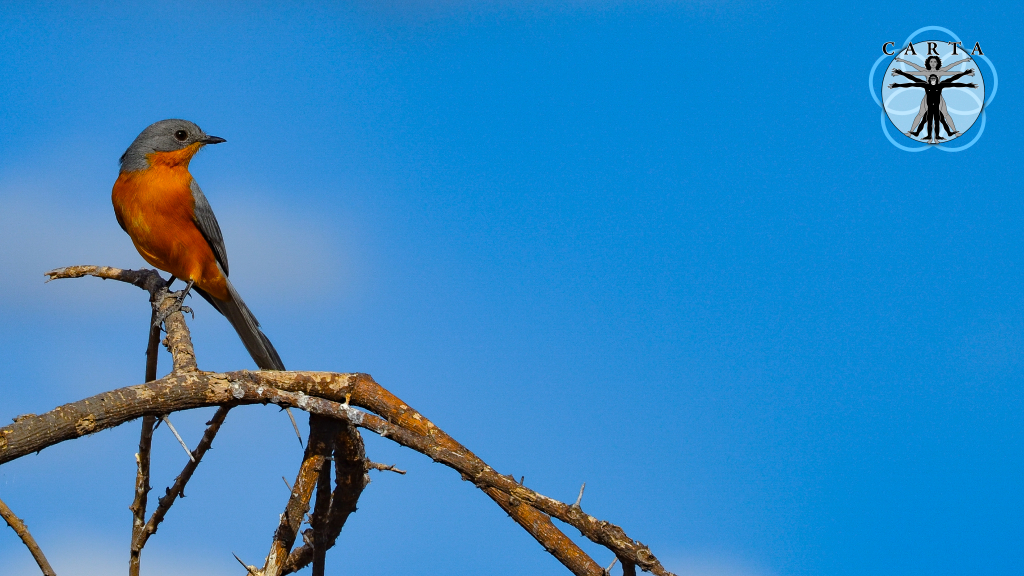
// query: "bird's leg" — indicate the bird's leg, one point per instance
point(179, 300)
point(188, 287)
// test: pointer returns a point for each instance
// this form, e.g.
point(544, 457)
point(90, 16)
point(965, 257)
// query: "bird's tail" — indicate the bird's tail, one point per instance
point(248, 328)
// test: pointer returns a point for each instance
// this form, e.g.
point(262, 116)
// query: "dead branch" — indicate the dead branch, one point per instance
point(142, 489)
point(142, 458)
point(350, 479)
point(318, 393)
point(383, 467)
point(318, 522)
point(325, 395)
point(178, 488)
point(318, 449)
point(22, 531)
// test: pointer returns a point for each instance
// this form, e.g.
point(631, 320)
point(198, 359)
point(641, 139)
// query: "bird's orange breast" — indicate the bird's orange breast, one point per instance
point(155, 206)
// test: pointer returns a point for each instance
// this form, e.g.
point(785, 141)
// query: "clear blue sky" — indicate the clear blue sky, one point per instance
point(664, 250)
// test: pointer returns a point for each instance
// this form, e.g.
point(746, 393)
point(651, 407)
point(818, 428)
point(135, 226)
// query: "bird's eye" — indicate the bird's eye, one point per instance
point(181, 135)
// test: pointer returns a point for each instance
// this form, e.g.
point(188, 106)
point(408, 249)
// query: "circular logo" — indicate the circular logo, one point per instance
point(933, 91)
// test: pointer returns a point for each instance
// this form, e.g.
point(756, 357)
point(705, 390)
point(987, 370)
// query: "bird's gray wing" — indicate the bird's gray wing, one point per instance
point(207, 223)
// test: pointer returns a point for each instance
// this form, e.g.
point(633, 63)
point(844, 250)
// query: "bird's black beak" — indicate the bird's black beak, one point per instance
point(212, 140)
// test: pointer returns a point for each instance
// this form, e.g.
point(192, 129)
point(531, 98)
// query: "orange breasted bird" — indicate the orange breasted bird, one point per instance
point(160, 206)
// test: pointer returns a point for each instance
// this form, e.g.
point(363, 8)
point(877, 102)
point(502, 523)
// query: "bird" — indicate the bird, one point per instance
point(170, 221)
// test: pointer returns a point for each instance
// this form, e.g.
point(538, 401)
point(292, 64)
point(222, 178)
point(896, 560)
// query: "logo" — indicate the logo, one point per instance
point(933, 91)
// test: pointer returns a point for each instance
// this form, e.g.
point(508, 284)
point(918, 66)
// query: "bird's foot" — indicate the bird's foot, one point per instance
point(178, 305)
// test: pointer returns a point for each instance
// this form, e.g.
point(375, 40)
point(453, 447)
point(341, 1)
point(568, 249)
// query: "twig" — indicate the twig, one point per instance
point(249, 569)
point(178, 488)
point(350, 480)
point(320, 393)
point(142, 489)
point(538, 524)
point(578, 498)
point(179, 339)
point(152, 349)
point(148, 280)
point(22, 531)
point(379, 466)
point(295, 426)
point(319, 447)
point(167, 421)
point(309, 391)
point(318, 523)
point(142, 459)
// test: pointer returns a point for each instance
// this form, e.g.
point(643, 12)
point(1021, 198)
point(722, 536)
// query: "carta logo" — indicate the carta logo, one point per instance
point(933, 90)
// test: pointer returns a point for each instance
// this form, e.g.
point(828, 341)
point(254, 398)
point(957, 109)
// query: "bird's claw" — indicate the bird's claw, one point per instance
point(178, 306)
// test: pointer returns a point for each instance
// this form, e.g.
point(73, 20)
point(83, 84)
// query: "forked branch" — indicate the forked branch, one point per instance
point(351, 399)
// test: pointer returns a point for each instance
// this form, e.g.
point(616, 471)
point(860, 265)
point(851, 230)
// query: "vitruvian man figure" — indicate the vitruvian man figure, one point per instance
point(934, 106)
point(933, 65)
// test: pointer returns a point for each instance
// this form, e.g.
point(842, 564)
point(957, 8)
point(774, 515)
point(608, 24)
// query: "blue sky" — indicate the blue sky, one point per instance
point(665, 250)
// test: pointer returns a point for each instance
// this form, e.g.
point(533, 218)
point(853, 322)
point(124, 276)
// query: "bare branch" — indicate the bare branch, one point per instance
point(181, 441)
point(152, 348)
point(318, 522)
point(379, 466)
point(22, 531)
point(142, 458)
point(148, 280)
point(318, 449)
point(350, 479)
point(320, 394)
point(178, 341)
point(178, 488)
point(142, 489)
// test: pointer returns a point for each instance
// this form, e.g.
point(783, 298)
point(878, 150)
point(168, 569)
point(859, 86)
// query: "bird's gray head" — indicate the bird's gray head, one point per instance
point(171, 142)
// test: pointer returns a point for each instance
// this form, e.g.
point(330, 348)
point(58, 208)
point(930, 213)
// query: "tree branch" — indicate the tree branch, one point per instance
point(178, 488)
point(318, 449)
point(318, 393)
point(350, 479)
point(322, 394)
point(142, 489)
point(22, 531)
point(142, 458)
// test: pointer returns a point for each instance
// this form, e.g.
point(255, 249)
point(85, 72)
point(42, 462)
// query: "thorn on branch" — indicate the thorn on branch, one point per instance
point(608, 570)
point(285, 480)
point(295, 426)
point(249, 569)
point(178, 488)
point(178, 436)
point(580, 497)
